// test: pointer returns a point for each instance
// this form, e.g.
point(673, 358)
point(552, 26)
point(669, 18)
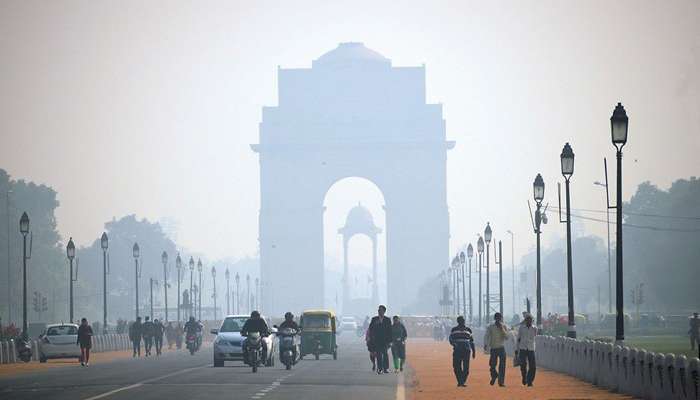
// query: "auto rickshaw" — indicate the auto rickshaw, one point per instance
point(318, 333)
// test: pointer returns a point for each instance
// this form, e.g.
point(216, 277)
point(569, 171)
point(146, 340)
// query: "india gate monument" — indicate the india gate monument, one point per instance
point(352, 114)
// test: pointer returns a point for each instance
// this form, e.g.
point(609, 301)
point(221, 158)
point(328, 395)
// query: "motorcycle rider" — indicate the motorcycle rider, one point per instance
point(289, 323)
point(255, 324)
point(192, 327)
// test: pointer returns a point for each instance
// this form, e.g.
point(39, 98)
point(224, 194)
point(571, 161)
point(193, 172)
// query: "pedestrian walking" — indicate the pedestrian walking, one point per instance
point(84, 341)
point(178, 335)
point(148, 334)
point(170, 335)
point(494, 339)
point(398, 344)
point(694, 332)
point(158, 330)
point(135, 334)
point(462, 347)
point(526, 350)
point(380, 335)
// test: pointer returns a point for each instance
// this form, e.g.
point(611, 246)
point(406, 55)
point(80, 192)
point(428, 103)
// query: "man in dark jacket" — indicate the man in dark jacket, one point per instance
point(462, 346)
point(135, 333)
point(380, 335)
point(255, 324)
point(158, 330)
point(148, 330)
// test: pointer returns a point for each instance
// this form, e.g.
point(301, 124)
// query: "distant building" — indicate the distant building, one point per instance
point(351, 114)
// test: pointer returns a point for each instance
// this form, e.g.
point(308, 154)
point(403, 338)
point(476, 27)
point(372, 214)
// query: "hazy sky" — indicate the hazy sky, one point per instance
point(149, 107)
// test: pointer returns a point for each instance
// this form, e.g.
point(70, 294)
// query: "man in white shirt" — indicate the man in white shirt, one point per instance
point(526, 350)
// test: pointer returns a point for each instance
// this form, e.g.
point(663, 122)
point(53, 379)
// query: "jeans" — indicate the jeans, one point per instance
point(460, 365)
point(382, 358)
point(148, 343)
point(498, 356)
point(398, 353)
point(159, 344)
point(528, 366)
point(137, 346)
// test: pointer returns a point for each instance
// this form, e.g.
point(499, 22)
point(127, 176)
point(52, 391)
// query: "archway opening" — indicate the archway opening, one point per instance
point(347, 196)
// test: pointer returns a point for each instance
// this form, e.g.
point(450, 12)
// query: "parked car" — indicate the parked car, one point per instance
point(59, 341)
point(348, 324)
point(228, 345)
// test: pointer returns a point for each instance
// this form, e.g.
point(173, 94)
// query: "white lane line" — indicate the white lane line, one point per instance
point(135, 385)
point(400, 389)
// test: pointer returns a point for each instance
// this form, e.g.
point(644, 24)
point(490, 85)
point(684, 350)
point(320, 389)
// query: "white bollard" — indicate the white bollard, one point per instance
point(670, 376)
point(681, 379)
point(641, 384)
point(693, 378)
point(660, 381)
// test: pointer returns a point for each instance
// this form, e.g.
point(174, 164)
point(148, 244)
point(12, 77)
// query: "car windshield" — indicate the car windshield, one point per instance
point(61, 330)
point(233, 324)
point(317, 321)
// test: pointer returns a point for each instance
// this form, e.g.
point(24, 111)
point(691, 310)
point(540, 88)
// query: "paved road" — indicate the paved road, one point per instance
point(181, 376)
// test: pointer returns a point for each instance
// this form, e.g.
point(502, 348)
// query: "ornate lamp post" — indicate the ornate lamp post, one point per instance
point(136, 253)
point(538, 193)
point(480, 250)
point(567, 169)
point(104, 243)
point(228, 293)
point(70, 253)
point(24, 230)
point(462, 260)
point(178, 266)
point(470, 254)
point(455, 285)
point(618, 128)
point(237, 297)
point(487, 238)
point(164, 258)
point(213, 295)
point(199, 292)
point(191, 299)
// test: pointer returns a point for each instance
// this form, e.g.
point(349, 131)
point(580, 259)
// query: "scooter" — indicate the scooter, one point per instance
point(24, 350)
point(289, 351)
point(254, 348)
point(191, 343)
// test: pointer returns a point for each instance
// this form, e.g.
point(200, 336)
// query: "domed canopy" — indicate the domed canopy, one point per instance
point(359, 220)
point(350, 53)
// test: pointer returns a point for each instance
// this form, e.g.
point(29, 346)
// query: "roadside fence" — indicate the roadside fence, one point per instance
point(100, 343)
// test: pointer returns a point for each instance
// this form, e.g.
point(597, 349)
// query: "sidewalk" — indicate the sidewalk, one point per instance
point(432, 379)
point(7, 370)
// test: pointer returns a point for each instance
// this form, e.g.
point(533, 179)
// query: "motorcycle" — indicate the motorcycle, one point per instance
point(191, 343)
point(254, 349)
point(24, 350)
point(288, 349)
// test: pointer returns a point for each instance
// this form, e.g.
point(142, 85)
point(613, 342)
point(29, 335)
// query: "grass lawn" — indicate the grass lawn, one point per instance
point(662, 344)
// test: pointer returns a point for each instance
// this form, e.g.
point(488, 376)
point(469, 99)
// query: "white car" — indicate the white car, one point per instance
point(228, 345)
point(348, 324)
point(59, 341)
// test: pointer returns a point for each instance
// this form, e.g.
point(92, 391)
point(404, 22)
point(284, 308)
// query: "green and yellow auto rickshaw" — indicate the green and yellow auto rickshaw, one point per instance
point(318, 333)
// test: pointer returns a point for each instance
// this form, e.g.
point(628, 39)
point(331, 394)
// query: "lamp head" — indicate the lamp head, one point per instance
point(470, 251)
point(480, 245)
point(164, 257)
point(618, 126)
point(136, 251)
point(538, 189)
point(488, 233)
point(461, 257)
point(178, 261)
point(70, 249)
point(24, 223)
point(104, 241)
point(567, 161)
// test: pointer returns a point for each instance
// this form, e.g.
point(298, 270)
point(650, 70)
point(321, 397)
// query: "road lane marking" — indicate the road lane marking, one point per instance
point(135, 385)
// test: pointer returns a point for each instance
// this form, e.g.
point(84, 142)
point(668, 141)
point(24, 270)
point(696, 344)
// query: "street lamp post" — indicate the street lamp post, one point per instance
point(178, 266)
point(213, 295)
point(104, 243)
point(199, 291)
point(24, 230)
point(247, 279)
point(480, 250)
point(567, 169)
point(487, 238)
point(512, 265)
point(164, 258)
point(136, 253)
point(70, 252)
point(618, 127)
point(462, 260)
point(191, 299)
point(538, 193)
point(499, 261)
point(237, 297)
point(228, 293)
point(470, 254)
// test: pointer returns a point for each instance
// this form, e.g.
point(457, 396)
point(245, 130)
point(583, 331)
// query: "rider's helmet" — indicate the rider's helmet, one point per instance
point(288, 316)
point(255, 314)
point(191, 319)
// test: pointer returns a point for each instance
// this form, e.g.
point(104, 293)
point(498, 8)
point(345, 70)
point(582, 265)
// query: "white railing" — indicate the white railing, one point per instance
point(100, 343)
point(639, 373)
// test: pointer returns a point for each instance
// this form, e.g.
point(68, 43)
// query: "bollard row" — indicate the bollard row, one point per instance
point(100, 343)
point(639, 373)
